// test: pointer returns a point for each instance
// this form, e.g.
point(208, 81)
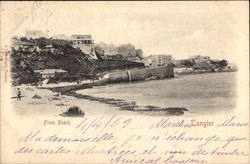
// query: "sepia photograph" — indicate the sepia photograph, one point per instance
point(125, 82)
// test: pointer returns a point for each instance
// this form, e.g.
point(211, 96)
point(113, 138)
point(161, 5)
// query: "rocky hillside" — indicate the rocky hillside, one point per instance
point(59, 54)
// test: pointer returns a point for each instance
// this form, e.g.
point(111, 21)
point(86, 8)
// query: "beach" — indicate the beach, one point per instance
point(198, 93)
point(51, 105)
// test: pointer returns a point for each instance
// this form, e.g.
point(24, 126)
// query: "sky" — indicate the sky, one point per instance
point(182, 29)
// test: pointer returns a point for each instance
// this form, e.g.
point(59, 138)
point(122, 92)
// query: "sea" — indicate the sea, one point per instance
point(199, 93)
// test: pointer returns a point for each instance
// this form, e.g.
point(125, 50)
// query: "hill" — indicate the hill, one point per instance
point(58, 54)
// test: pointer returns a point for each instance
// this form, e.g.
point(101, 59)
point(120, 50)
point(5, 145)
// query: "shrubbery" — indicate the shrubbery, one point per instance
point(74, 111)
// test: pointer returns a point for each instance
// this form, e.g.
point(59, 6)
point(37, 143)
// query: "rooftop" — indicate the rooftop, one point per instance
point(49, 71)
point(81, 36)
point(19, 42)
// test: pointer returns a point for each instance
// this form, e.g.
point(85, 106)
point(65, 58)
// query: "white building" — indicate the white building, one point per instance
point(51, 73)
point(49, 48)
point(85, 43)
point(61, 37)
point(183, 70)
point(34, 34)
point(159, 60)
point(200, 59)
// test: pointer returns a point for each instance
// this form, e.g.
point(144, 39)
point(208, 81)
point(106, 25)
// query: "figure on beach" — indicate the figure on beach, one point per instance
point(40, 83)
point(59, 94)
point(18, 94)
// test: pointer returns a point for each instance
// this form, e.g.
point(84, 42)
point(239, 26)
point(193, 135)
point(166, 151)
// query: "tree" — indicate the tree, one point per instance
point(223, 63)
point(117, 57)
point(99, 53)
point(139, 53)
point(188, 63)
point(41, 42)
point(219, 64)
point(202, 65)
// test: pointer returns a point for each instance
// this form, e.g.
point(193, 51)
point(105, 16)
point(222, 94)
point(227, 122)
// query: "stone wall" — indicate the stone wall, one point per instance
point(142, 74)
point(123, 76)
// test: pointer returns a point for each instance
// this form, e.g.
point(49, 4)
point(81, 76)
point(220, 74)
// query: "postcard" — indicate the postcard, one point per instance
point(145, 82)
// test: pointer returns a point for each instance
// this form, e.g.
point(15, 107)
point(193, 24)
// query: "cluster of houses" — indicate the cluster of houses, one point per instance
point(84, 42)
point(127, 51)
point(87, 45)
point(194, 64)
point(51, 73)
point(18, 44)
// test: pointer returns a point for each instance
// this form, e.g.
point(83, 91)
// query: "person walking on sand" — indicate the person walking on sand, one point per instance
point(59, 94)
point(18, 94)
point(41, 83)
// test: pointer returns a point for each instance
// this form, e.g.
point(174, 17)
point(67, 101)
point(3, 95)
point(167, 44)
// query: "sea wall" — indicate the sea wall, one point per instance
point(142, 74)
point(122, 76)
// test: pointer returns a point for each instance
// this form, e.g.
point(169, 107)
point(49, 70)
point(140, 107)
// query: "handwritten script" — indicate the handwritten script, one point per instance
point(117, 139)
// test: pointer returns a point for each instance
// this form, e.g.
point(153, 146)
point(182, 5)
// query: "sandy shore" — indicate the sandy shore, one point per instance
point(51, 104)
point(37, 102)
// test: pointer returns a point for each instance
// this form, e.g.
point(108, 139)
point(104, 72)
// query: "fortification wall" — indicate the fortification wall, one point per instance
point(142, 74)
point(123, 76)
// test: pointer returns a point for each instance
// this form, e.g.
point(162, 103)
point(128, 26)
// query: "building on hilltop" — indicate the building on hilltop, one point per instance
point(82, 39)
point(109, 49)
point(127, 50)
point(85, 43)
point(124, 51)
point(183, 63)
point(146, 61)
point(61, 37)
point(49, 48)
point(159, 60)
point(199, 58)
point(201, 62)
point(16, 43)
point(34, 34)
point(51, 73)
